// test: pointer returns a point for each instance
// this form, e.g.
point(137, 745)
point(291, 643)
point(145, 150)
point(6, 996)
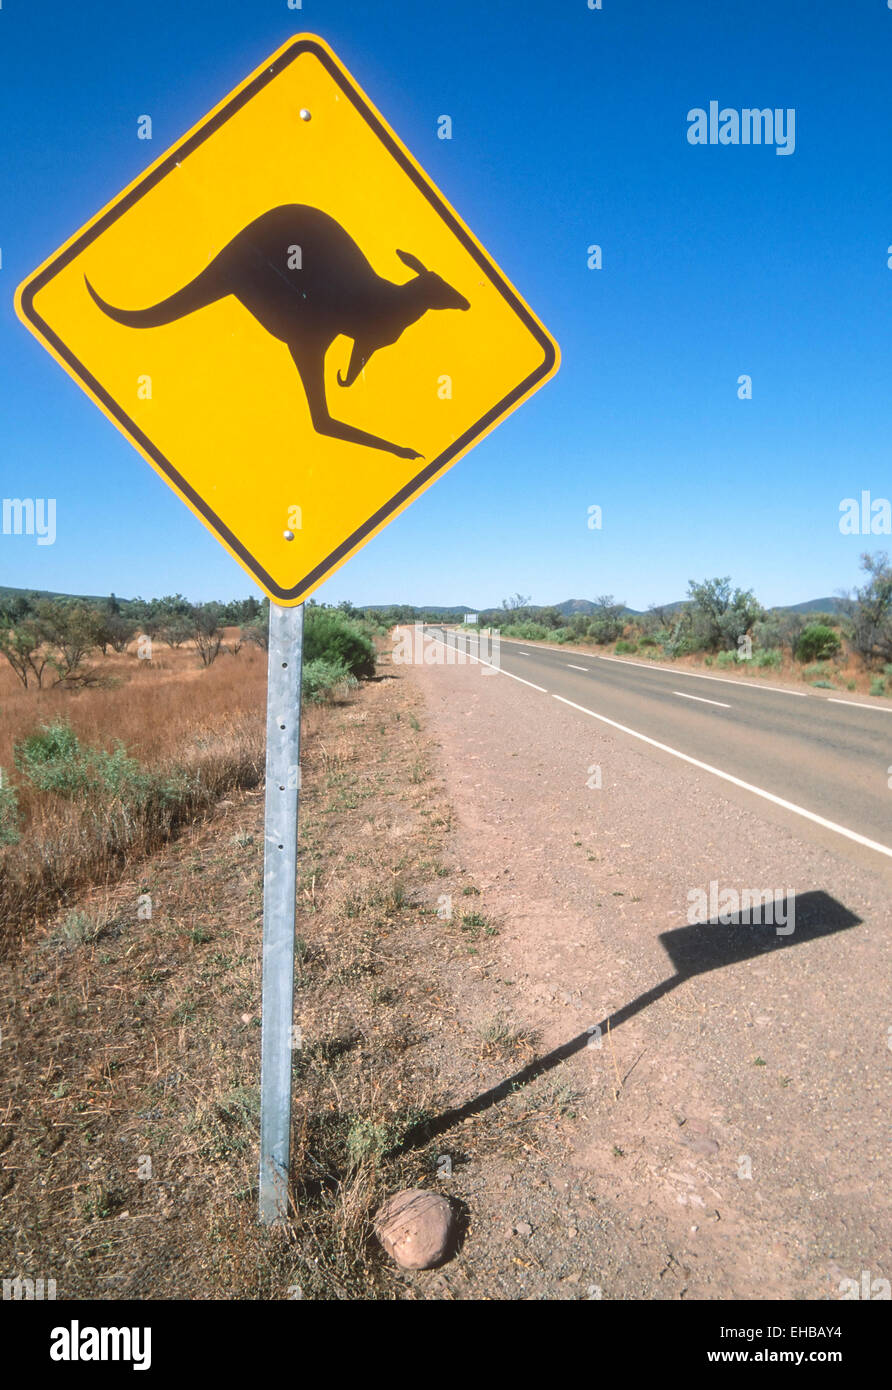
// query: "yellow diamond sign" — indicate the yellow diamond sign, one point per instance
point(290, 322)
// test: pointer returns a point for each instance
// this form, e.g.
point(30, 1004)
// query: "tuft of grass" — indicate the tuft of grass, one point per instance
point(498, 1034)
point(77, 929)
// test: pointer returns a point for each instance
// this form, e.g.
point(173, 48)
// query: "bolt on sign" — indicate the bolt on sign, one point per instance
point(289, 321)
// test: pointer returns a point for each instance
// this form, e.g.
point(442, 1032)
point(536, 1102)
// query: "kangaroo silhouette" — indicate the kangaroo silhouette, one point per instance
point(335, 291)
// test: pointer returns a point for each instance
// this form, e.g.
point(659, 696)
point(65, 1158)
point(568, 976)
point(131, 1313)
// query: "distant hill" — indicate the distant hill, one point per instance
point(816, 605)
point(8, 592)
point(443, 609)
point(572, 606)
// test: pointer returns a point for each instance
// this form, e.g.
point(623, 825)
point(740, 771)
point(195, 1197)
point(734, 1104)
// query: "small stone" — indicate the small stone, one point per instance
point(415, 1227)
point(523, 1228)
point(572, 1232)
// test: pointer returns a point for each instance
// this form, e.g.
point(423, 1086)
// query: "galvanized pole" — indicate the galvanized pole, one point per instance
point(286, 626)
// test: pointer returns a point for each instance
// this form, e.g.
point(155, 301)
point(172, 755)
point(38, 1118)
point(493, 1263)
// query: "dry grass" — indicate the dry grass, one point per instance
point(176, 718)
point(129, 1039)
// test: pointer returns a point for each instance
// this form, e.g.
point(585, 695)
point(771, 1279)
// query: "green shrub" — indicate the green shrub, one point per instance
point(624, 648)
point(528, 632)
point(9, 812)
point(52, 759)
point(725, 659)
point(321, 677)
point(877, 686)
point(817, 642)
point(647, 641)
point(330, 637)
point(772, 657)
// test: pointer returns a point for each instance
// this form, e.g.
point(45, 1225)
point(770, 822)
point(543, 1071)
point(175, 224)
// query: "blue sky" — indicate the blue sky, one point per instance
point(569, 128)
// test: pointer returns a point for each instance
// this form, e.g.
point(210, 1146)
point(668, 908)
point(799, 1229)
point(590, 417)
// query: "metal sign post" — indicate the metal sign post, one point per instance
point(286, 627)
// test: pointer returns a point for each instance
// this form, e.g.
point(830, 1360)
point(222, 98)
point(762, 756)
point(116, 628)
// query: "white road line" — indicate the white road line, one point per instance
point(700, 700)
point(521, 653)
point(578, 668)
point(697, 676)
point(858, 704)
point(736, 781)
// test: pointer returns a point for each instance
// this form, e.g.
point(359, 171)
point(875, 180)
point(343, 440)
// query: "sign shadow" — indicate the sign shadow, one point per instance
point(693, 950)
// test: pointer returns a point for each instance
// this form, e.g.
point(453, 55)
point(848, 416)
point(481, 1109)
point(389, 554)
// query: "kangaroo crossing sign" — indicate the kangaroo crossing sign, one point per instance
point(290, 322)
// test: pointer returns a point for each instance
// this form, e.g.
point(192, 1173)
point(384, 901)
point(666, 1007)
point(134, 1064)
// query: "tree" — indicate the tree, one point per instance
point(718, 615)
point(607, 624)
point(177, 630)
point(207, 631)
point(257, 633)
point(870, 611)
point(23, 645)
point(118, 631)
point(72, 630)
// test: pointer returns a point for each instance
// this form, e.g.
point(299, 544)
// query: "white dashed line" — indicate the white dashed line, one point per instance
point(700, 700)
point(698, 676)
point(736, 781)
point(578, 668)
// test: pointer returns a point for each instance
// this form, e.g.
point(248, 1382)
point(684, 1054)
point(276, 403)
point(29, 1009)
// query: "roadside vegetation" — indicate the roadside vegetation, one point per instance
point(722, 627)
point(122, 722)
point(130, 1116)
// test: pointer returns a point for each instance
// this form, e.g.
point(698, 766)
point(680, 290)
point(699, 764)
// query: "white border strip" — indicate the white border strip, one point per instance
point(858, 705)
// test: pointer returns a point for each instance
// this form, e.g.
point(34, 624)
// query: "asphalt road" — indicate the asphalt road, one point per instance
point(826, 756)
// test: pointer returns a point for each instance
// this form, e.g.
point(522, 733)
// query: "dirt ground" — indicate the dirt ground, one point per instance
point(468, 908)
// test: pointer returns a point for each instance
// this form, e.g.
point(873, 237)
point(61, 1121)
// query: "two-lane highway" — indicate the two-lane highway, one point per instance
point(823, 760)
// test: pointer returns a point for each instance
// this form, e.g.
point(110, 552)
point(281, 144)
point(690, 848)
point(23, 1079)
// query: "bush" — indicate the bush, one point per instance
point(330, 637)
point(52, 759)
point(624, 648)
point(9, 812)
point(605, 630)
point(725, 659)
point(320, 678)
point(878, 686)
point(817, 642)
point(772, 657)
point(528, 631)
